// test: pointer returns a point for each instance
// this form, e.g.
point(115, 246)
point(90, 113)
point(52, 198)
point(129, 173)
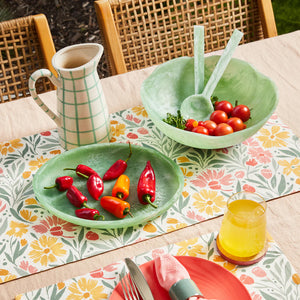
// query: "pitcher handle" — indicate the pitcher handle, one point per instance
point(31, 83)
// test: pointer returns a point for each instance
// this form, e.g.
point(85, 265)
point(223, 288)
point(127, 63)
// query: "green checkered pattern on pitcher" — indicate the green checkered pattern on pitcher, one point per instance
point(82, 116)
point(82, 109)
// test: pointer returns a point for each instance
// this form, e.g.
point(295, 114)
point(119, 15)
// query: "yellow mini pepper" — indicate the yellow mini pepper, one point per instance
point(121, 187)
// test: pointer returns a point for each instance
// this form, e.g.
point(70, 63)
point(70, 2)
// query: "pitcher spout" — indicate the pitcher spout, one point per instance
point(78, 57)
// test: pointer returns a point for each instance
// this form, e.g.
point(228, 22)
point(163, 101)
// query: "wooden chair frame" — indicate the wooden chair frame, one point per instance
point(26, 45)
point(134, 37)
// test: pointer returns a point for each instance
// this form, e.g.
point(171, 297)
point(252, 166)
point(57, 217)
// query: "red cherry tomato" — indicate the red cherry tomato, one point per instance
point(236, 123)
point(223, 129)
point(241, 111)
point(210, 125)
point(190, 124)
point(225, 106)
point(200, 129)
point(219, 116)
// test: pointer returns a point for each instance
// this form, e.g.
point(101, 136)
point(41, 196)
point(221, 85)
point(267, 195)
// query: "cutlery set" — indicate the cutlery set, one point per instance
point(136, 281)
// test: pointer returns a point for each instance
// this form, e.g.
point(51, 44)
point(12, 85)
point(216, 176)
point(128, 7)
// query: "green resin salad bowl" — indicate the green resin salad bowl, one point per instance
point(170, 83)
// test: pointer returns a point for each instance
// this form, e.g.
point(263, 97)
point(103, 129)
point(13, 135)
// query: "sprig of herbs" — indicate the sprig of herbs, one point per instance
point(176, 121)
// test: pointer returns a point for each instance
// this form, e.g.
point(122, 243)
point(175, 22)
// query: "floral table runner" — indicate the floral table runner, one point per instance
point(33, 240)
point(272, 278)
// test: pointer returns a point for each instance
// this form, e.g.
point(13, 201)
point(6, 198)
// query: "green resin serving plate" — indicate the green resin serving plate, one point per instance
point(171, 82)
point(169, 183)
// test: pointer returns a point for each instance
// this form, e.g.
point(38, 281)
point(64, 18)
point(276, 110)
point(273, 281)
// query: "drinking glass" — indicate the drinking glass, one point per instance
point(242, 236)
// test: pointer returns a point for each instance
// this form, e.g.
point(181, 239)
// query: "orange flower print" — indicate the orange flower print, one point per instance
point(86, 289)
point(31, 201)
point(140, 110)
point(118, 130)
point(209, 202)
point(186, 173)
point(17, 229)
point(55, 152)
point(27, 215)
point(190, 248)
point(273, 138)
point(291, 167)
point(10, 147)
point(45, 250)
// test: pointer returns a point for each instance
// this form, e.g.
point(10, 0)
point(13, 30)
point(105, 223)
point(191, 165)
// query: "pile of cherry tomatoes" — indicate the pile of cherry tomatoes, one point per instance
point(225, 119)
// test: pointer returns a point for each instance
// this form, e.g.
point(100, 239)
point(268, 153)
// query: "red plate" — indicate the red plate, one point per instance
point(214, 281)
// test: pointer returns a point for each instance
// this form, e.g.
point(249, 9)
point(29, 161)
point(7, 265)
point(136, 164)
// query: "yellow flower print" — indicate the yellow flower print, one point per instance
point(177, 226)
point(209, 202)
point(118, 130)
point(23, 242)
point(35, 164)
point(140, 110)
point(86, 289)
point(10, 146)
point(273, 138)
point(17, 229)
point(190, 248)
point(227, 265)
point(289, 167)
point(186, 173)
point(182, 159)
point(149, 227)
point(45, 250)
point(27, 215)
point(8, 278)
point(31, 201)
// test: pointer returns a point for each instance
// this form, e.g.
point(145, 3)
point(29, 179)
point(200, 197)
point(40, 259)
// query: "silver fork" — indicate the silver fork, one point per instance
point(128, 287)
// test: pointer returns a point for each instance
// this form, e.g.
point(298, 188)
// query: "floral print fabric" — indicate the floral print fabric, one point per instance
point(33, 240)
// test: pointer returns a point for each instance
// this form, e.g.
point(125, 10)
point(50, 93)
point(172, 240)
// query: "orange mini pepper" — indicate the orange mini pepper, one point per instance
point(121, 187)
point(119, 208)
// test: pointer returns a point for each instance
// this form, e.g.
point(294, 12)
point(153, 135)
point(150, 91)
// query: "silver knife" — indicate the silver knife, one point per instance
point(139, 280)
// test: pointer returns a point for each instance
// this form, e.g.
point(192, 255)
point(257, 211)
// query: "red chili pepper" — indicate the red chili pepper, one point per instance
point(88, 213)
point(76, 197)
point(119, 208)
point(61, 183)
point(94, 185)
point(146, 186)
point(83, 169)
point(118, 168)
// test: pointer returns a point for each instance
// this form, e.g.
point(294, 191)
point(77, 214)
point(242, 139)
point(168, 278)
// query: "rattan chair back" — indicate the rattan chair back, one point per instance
point(26, 45)
point(142, 33)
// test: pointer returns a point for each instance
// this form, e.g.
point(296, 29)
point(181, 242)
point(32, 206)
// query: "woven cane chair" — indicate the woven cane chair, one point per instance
point(26, 45)
point(141, 33)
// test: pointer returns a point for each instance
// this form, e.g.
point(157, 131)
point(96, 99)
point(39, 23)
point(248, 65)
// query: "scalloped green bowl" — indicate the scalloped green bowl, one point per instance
point(170, 83)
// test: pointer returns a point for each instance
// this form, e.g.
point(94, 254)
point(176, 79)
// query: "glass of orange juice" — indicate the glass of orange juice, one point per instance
point(243, 231)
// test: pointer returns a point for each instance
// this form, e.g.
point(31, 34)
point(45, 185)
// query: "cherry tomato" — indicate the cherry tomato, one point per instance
point(200, 123)
point(224, 106)
point(223, 129)
point(210, 125)
point(219, 116)
point(236, 123)
point(241, 111)
point(200, 129)
point(190, 124)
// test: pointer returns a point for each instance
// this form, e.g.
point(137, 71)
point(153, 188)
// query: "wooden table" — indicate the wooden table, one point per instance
point(278, 58)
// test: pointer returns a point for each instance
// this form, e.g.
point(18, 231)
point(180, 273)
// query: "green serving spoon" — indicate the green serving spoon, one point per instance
point(199, 106)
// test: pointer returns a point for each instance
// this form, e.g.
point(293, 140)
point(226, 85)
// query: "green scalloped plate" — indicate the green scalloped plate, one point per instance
point(169, 183)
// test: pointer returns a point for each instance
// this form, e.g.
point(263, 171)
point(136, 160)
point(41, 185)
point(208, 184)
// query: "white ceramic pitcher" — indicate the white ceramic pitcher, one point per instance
point(82, 114)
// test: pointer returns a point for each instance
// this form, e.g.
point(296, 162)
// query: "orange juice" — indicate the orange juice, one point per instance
point(243, 230)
